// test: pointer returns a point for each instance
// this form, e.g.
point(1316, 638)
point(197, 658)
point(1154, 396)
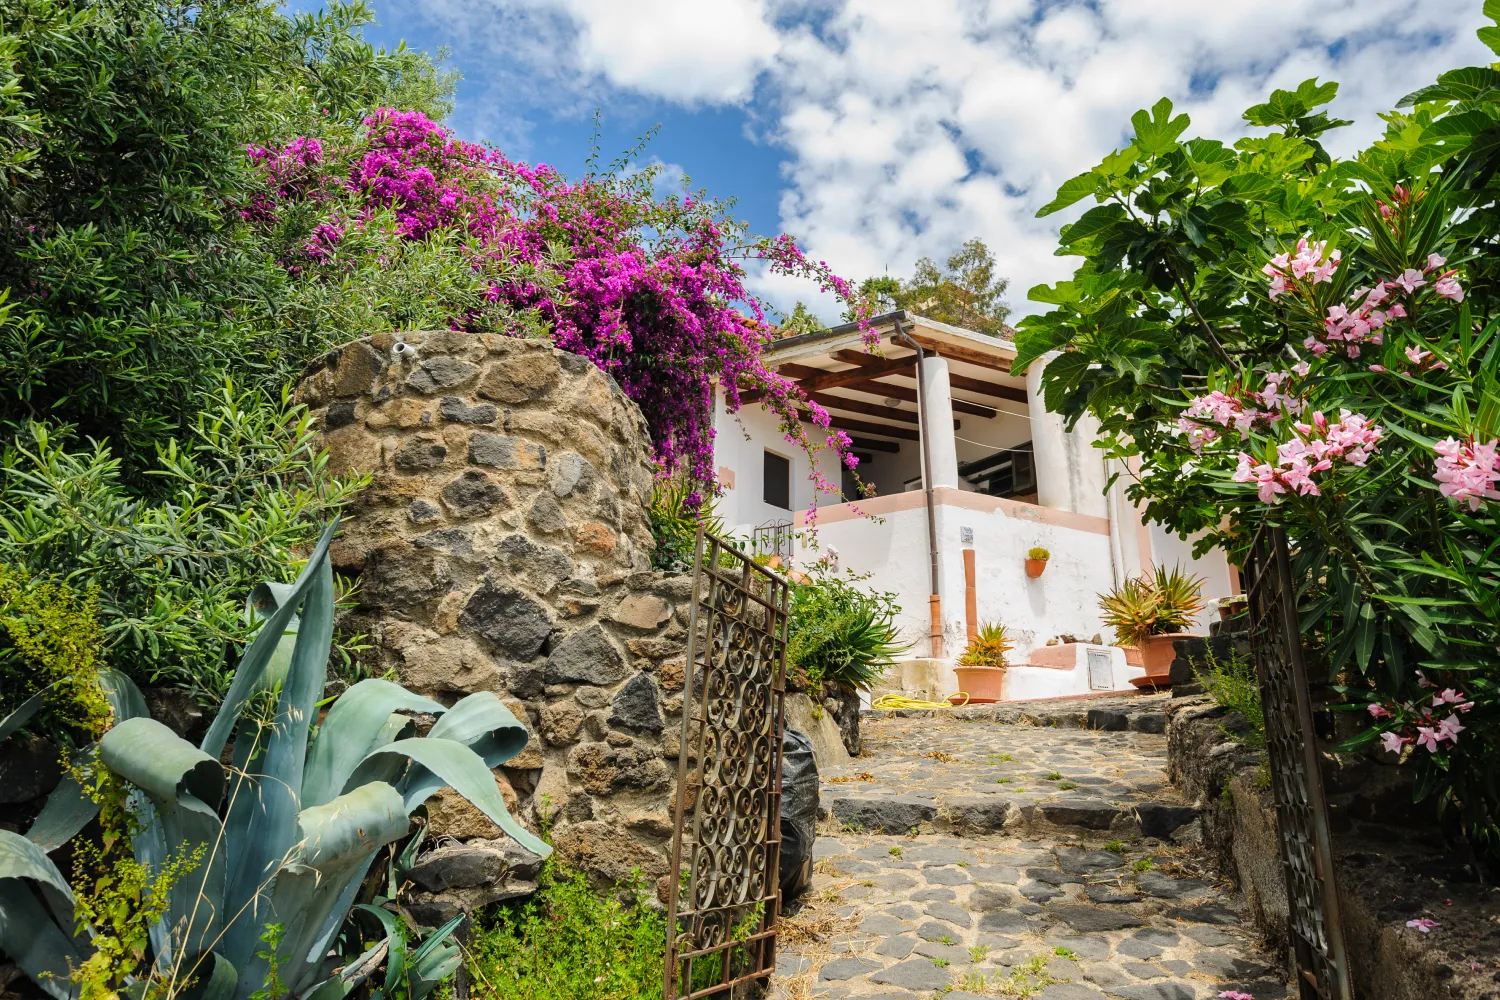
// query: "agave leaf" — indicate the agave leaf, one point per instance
point(482, 723)
point(68, 808)
point(352, 728)
point(263, 819)
point(123, 696)
point(258, 655)
point(434, 960)
point(24, 711)
point(37, 933)
point(183, 786)
point(395, 960)
point(437, 762)
point(213, 978)
point(337, 841)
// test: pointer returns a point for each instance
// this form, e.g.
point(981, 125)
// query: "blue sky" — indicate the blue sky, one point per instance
point(879, 131)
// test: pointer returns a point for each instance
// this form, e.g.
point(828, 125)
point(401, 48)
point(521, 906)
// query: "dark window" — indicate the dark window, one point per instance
point(1008, 473)
point(778, 482)
point(848, 482)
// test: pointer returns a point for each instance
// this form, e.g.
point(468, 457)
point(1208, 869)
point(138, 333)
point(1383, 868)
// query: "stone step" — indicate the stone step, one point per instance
point(1139, 714)
point(881, 811)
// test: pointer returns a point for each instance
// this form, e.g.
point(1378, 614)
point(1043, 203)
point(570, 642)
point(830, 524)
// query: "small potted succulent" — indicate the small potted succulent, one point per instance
point(1148, 614)
point(1036, 561)
point(981, 670)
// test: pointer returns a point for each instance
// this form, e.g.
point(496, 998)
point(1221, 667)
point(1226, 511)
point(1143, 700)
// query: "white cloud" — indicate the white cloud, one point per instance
point(682, 50)
point(887, 110)
point(911, 127)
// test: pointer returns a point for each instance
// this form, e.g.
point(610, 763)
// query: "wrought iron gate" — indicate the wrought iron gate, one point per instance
point(1296, 776)
point(724, 900)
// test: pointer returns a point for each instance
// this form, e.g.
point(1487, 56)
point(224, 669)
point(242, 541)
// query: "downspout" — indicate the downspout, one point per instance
point(934, 599)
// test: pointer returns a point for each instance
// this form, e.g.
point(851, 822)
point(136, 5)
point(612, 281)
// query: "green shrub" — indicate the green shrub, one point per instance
point(987, 648)
point(676, 511)
point(241, 493)
point(841, 634)
point(1168, 601)
point(1234, 685)
point(1038, 553)
point(569, 942)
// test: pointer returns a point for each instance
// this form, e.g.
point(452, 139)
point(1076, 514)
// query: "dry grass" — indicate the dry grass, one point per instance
point(861, 776)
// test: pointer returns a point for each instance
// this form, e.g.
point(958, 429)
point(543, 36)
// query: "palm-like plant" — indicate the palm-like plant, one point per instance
point(1179, 599)
point(1167, 601)
point(284, 835)
point(842, 634)
point(987, 648)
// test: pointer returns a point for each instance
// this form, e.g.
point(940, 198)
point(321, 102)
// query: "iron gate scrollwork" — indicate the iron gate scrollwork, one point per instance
point(1296, 775)
point(722, 916)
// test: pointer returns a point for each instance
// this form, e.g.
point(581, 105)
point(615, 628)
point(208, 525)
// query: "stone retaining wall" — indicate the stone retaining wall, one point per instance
point(1392, 865)
point(503, 545)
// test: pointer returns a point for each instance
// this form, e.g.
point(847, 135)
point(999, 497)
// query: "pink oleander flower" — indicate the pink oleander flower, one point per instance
point(1422, 681)
point(1447, 696)
point(1301, 368)
point(1427, 737)
point(1423, 924)
point(1411, 279)
point(1449, 288)
point(1435, 261)
point(1234, 995)
point(1449, 728)
point(1467, 472)
point(1393, 742)
point(1377, 710)
point(1267, 486)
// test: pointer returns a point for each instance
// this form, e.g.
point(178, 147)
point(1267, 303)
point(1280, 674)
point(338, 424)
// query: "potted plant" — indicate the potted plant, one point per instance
point(1148, 614)
point(1036, 561)
point(981, 670)
point(1231, 606)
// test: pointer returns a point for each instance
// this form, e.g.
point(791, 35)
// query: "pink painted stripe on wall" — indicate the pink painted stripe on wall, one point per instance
point(963, 499)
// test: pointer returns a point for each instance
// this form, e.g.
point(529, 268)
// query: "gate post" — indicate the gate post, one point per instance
point(726, 836)
point(1312, 896)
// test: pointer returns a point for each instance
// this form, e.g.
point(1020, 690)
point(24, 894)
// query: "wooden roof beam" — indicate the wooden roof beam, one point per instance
point(968, 355)
point(910, 395)
point(814, 379)
point(963, 382)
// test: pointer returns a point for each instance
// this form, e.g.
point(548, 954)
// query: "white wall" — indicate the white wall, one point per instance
point(743, 507)
point(894, 552)
point(1168, 550)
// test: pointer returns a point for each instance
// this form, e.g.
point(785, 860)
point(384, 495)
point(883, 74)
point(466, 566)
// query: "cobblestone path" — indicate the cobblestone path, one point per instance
point(968, 858)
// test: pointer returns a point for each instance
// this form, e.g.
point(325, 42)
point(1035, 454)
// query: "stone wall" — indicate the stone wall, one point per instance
point(1392, 864)
point(503, 545)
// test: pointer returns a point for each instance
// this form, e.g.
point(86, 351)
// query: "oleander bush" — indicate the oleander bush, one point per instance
point(1275, 336)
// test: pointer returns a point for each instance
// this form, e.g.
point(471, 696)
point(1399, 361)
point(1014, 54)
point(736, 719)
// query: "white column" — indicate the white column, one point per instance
point(1069, 469)
point(937, 399)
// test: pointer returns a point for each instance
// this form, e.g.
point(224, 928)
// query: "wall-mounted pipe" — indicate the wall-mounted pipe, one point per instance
point(934, 599)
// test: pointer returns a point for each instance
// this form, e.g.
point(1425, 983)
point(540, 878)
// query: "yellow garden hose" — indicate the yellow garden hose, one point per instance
point(892, 702)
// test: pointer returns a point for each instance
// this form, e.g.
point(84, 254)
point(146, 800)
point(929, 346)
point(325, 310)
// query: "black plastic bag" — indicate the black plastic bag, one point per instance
point(799, 813)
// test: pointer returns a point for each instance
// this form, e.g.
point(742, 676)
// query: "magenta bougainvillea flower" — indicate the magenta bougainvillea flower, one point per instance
point(650, 288)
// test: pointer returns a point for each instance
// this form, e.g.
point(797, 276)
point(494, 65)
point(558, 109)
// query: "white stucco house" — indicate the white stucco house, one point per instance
point(970, 472)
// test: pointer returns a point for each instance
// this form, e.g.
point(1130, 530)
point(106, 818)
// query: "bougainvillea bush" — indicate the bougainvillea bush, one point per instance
point(649, 287)
point(254, 187)
point(1272, 335)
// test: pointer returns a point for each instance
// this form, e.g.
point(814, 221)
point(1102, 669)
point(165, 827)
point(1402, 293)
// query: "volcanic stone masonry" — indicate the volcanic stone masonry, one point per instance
point(503, 545)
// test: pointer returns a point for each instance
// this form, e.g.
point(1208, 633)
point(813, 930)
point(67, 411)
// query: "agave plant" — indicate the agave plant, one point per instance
point(988, 647)
point(285, 834)
point(1167, 601)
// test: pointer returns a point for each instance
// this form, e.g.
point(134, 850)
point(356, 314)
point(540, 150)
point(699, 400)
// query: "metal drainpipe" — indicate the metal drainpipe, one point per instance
point(934, 599)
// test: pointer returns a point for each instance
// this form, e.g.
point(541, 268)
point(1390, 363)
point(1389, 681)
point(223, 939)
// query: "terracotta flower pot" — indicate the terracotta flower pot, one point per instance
point(1158, 653)
point(1034, 567)
point(981, 684)
point(1133, 656)
point(1228, 609)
